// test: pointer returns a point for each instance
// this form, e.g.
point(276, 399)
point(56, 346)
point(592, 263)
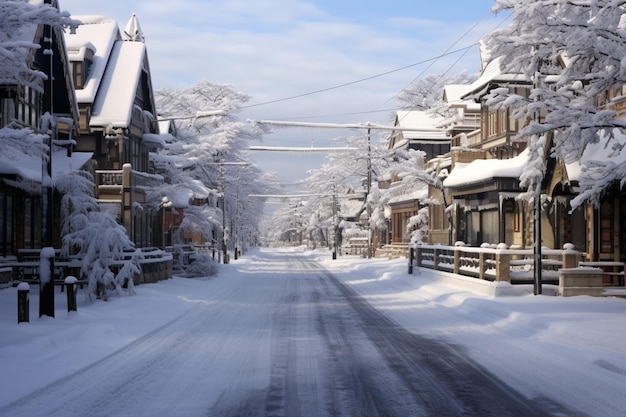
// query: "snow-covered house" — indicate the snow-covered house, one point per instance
point(417, 130)
point(24, 102)
point(118, 123)
point(422, 133)
point(462, 118)
point(484, 183)
point(484, 180)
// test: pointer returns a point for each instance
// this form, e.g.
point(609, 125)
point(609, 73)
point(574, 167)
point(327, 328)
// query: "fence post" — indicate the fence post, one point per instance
point(70, 283)
point(481, 265)
point(411, 257)
point(457, 258)
point(435, 259)
point(418, 257)
point(570, 256)
point(23, 303)
point(503, 267)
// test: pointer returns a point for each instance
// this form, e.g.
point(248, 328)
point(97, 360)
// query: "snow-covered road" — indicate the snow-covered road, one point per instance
point(282, 337)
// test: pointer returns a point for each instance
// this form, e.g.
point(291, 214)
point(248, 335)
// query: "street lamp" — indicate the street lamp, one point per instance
point(165, 204)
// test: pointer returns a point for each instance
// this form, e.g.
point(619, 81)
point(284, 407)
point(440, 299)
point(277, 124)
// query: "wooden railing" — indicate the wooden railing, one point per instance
point(501, 263)
point(116, 180)
point(155, 265)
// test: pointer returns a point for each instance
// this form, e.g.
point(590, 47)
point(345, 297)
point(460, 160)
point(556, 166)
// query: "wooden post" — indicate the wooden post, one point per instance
point(481, 265)
point(503, 267)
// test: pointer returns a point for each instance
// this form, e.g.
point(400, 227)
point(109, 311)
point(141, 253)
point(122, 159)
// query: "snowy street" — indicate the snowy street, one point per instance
point(290, 333)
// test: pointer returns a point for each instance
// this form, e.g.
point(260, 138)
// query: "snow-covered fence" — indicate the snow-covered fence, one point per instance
point(155, 265)
point(496, 262)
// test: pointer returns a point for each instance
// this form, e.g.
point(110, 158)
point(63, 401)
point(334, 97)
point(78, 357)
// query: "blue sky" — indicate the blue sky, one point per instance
point(272, 49)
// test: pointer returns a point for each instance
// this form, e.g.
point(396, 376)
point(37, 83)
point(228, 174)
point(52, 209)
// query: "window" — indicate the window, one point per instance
point(77, 74)
point(32, 222)
point(7, 111)
point(28, 107)
point(6, 225)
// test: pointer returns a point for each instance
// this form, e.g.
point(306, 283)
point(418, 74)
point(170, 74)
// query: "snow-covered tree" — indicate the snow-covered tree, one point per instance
point(94, 236)
point(17, 19)
point(572, 54)
point(409, 179)
point(202, 151)
point(427, 93)
point(343, 174)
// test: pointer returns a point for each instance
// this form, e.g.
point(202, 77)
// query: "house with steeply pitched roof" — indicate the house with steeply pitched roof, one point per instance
point(484, 181)
point(30, 106)
point(417, 130)
point(118, 122)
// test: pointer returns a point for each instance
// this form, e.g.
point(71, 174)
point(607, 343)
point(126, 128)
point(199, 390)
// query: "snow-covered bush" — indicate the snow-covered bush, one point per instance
point(202, 266)
point(418, 226)
point(94, 236)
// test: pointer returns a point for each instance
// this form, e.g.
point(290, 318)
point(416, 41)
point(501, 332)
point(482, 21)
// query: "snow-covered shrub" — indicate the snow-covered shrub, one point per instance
point(202, 266)
point(94, 237)
point(418, 226)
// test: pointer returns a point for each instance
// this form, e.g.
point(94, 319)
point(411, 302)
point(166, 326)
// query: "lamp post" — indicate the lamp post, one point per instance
point(165, 204)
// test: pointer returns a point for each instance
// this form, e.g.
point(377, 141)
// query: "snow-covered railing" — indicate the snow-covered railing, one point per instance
point(155, 265)
point(110, 182)
point(496, 263)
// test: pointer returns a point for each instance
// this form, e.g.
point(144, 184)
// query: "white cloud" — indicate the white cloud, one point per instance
point(271, 49)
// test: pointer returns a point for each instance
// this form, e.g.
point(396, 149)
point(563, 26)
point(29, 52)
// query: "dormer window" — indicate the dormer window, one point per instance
point(77, 72)
point(82, 59)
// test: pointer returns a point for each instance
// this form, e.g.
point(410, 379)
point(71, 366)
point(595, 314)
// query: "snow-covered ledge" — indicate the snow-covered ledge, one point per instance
point(580, 281)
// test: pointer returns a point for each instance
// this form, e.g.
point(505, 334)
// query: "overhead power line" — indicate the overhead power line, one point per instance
point(359, 80)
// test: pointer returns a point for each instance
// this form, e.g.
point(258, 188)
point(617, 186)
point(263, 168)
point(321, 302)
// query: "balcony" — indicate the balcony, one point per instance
point(110, 184)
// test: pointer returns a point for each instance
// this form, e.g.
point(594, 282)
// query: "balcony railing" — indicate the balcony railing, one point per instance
point(112, 182)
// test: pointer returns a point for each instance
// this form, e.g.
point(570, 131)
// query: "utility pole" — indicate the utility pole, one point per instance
point(224, 246)
point(537, 285)
point(357, 126)
point(369, 187)
point(335, 227)
point(46, 260)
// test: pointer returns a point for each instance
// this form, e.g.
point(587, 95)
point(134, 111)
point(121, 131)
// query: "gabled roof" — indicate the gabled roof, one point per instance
point(427, 132)
point(116, 95)
point(490, 75)
point(453, 93)
point(98, 33)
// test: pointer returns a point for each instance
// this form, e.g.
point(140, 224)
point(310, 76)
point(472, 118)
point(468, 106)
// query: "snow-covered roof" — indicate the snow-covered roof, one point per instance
point(115, 98)
point(492, 73)
point(428, 131)
point(602, 152)
point(157, 140)
point(28, 166)
point(350, 207)
point(98, 33)
point(453, 94)
point(482, 170)
point(415, 195)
